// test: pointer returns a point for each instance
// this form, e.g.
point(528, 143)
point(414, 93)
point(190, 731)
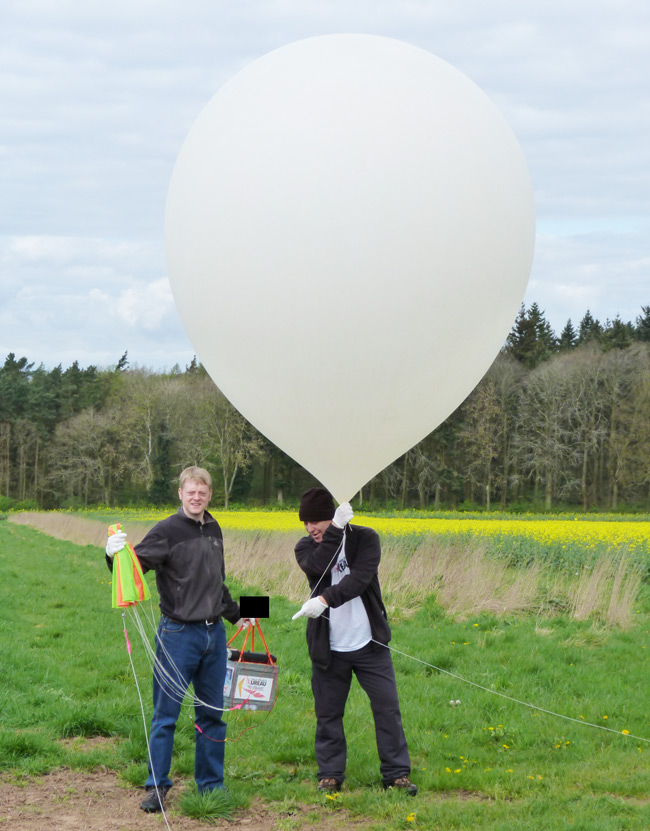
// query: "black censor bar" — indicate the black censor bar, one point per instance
point(254, 606)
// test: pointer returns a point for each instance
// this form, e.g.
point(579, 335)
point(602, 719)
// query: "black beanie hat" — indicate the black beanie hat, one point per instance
point(316, 505)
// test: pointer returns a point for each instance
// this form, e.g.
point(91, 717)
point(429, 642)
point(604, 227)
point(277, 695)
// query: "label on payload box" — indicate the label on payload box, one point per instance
point(250, 686)
point(253, 688)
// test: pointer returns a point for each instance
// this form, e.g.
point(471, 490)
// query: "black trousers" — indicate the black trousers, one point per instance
point(373, 667)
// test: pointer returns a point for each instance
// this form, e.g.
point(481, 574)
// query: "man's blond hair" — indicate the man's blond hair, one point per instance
point(195, 474)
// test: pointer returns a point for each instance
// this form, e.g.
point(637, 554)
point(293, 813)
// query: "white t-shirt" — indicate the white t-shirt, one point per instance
point(349, 624)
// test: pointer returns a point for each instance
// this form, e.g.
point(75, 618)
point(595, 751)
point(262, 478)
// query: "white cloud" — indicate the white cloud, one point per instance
point(67, 298)
point(146, 304)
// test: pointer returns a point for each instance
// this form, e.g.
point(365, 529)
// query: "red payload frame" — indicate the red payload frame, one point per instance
point(251, 677)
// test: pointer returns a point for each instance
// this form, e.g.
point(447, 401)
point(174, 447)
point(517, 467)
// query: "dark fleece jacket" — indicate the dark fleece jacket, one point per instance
point(363, 553)
point(187, 557)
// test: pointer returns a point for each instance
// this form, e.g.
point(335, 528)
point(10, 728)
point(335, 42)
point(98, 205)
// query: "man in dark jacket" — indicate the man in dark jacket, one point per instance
point(186, 552)
point(347, 633)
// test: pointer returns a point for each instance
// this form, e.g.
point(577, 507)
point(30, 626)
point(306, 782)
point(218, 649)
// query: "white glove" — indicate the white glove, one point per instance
point(314, 607)
point(343, 515)
point(245, 622)
point(115, 543)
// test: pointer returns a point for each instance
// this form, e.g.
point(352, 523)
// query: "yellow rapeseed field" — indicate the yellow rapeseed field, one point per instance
point(565, 530)
point(568, 531)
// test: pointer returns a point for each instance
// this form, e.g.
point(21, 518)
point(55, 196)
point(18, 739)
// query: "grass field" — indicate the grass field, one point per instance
point(486, 762)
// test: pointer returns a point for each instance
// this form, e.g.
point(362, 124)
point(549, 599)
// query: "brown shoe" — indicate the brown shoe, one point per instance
point(155, 799)
point(329, 783)
point(403, 783)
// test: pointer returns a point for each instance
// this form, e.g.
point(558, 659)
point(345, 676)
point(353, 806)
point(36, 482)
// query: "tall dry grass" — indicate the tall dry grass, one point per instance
point(465, 580)
point(76, 529)
point(607, 591)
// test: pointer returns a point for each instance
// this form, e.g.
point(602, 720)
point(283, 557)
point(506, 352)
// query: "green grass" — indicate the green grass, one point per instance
point(212, 806)
point(486, 763)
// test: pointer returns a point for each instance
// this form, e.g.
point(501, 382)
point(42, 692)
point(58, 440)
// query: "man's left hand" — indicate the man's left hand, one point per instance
point(245, 622)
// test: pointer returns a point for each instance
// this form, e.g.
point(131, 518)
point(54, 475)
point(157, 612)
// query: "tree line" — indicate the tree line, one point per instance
point(557, 421)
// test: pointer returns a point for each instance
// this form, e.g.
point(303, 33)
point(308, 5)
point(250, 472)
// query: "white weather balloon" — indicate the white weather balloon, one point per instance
point(349, 233)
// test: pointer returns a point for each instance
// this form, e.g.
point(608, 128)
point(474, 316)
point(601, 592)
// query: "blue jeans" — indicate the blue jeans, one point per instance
point(196, 653)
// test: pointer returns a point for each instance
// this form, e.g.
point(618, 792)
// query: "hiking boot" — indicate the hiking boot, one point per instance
point(155, 799)
point(403, 783)
point(329, 783)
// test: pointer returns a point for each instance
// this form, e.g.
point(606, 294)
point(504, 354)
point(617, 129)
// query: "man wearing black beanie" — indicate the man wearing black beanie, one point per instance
point(347, 632)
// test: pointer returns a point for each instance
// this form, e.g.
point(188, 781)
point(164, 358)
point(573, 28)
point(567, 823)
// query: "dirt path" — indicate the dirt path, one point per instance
point(67, 800)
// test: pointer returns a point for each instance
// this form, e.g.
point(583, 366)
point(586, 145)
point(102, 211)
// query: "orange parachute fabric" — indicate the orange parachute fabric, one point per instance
point(129, 585)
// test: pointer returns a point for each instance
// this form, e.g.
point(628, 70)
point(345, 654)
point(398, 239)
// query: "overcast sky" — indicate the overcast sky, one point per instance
point(96, 99)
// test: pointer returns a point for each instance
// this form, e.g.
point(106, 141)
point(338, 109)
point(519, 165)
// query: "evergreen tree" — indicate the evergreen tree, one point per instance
point(15, 376)
point(44, 399)
point(590, 329)
point(531, 339)
point(617, 335)
point(642, 331)
point(196, 369)
point(568, 337)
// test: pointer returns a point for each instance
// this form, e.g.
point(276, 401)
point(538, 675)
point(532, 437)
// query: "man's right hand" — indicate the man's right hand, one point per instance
point(115, 543)
point(314, 607)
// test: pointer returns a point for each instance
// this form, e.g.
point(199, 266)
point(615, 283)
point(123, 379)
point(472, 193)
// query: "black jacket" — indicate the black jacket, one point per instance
point(187, 557)
point(363, 553)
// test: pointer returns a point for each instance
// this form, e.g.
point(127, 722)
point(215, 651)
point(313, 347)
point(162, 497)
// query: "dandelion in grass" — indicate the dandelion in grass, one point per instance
point(625, 732)
point(411, 817)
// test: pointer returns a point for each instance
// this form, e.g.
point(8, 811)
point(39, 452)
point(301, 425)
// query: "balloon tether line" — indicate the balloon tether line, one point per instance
point(144, 721)
point(480, 686)
point(511, 698)
point(329, 565)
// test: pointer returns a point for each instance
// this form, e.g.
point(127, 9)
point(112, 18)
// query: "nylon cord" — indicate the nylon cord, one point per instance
point(144, 721)
point(511, 698)
point(487, 689)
